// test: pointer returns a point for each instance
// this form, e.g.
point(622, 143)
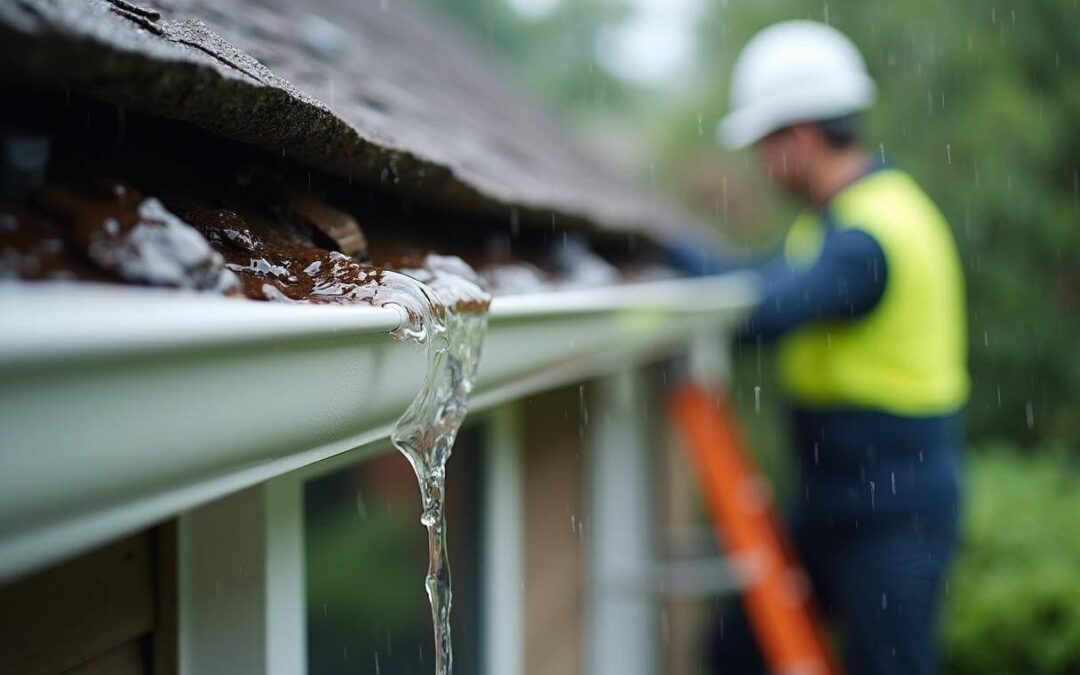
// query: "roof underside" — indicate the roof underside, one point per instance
point(371, 91)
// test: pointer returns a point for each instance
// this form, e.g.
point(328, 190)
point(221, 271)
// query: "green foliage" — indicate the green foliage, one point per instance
point(362, 601)
point(1013, 603)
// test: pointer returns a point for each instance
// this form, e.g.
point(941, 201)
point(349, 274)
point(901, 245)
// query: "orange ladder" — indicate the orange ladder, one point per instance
point(777, 593)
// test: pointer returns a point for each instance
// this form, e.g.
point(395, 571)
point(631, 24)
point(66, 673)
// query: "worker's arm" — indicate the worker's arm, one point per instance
point(699, 259)
point(847, 281)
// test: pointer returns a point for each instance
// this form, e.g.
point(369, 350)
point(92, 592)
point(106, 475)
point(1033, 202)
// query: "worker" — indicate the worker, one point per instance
point(866, 308)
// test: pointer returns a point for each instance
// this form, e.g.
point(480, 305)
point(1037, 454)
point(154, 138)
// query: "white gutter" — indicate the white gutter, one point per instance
point(121, 407)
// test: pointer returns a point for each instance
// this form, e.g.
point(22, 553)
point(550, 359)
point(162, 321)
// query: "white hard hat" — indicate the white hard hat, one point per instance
point(794, 71)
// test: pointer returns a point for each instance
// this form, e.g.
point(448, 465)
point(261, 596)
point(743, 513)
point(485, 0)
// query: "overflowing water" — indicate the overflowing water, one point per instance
point(445, 311)
point(110, 232)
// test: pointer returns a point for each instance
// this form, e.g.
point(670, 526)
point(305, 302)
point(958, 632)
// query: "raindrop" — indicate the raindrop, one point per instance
point(948, 152)
point(892, 476)
point(873, 504)
point(884, 601)
point(1029, 413)
point(321, 37)
point(757, 399)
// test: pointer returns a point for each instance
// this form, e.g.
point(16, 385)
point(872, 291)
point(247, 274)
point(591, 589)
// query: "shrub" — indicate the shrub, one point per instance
point(1013, 601)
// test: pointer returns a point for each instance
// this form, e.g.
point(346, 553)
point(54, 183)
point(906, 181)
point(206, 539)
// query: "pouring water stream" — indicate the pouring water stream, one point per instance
point(444, 309)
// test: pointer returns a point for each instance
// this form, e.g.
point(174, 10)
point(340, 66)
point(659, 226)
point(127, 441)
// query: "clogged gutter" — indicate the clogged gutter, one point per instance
point(108, 229)
point(243, 228)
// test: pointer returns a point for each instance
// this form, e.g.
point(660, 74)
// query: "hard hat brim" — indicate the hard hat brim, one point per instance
point(741, 129)
point(808, 102)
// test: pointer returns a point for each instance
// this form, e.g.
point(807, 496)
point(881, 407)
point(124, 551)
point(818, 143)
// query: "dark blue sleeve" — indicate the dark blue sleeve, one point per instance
point(847, 281)
point(695, 259)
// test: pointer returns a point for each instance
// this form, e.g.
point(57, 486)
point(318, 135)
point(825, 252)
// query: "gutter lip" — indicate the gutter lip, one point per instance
point(66, 321)
point(691, 296)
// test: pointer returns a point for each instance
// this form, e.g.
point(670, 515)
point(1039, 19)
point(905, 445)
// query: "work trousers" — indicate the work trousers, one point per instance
point(879, 587)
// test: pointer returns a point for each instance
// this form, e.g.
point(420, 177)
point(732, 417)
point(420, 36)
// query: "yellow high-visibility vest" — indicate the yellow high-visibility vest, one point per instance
point(908, 355)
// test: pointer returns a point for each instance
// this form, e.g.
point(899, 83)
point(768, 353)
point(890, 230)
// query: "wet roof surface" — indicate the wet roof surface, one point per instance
point(371, 90)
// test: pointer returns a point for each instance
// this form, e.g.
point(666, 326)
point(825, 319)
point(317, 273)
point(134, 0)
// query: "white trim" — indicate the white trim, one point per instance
point(503, 638)
point(622, 618)
point(286, 578)
point(242, 606)
point(221, 586)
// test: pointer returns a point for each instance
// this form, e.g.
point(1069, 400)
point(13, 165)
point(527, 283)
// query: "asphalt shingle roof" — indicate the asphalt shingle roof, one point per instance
point(372, 90)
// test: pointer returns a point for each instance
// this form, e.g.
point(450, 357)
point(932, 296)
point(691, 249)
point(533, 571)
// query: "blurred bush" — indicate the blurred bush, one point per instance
point(1013, 600)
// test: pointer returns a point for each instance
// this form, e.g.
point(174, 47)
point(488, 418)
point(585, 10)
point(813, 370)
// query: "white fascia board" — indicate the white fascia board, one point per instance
point(121, 407)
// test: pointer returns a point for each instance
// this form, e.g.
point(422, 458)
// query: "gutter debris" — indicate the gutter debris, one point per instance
point(91, 193)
